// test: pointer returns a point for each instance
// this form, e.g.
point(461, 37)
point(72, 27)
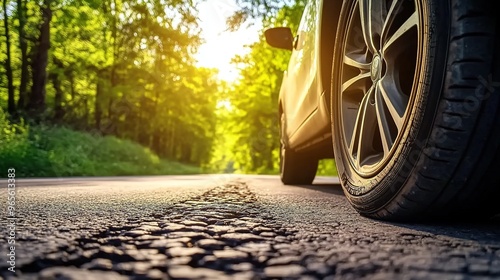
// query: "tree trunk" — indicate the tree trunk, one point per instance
point(97, 104)
point(8, 66)
point(171, 143)
point(269, 160)
point(36, 104)
point(59, 96)
point(71, 78)
point(86, 122)
point(23, 46)
point(157, 131)
point(111, 124)
point(113, 75)
point(186, 152)
point(156, 141)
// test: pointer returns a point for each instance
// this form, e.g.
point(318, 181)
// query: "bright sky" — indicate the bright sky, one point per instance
point(220, 45)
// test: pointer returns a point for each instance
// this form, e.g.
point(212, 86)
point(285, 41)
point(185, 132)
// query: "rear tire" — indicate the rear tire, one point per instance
point(295, 168)
point(416, 106)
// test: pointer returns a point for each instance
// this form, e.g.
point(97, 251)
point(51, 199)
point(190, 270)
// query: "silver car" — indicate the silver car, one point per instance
point(405, 95)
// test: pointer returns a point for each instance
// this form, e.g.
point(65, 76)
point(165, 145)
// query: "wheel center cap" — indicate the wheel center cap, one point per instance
point(376, 68)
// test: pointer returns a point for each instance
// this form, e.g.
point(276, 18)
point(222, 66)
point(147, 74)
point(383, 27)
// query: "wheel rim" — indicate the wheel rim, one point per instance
point(380, 56)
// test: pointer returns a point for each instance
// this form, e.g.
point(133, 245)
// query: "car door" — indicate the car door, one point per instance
point(299, 95)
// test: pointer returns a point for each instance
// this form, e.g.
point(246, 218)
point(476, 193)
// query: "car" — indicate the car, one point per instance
point(404, 94)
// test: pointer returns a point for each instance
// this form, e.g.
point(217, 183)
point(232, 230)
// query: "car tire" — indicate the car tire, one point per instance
point(416, 108)
point(296, 168)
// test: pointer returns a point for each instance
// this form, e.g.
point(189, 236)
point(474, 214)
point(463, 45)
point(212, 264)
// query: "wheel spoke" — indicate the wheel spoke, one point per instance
point(354, 143)
point(391, 16)
point(383, 124)
point(396, 38)
point(372, 15)
point(356, 82)
point(357, 61)
point(395, 101)
point(367, 130)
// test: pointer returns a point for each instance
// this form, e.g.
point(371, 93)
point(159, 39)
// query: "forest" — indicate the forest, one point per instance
point(82, 76)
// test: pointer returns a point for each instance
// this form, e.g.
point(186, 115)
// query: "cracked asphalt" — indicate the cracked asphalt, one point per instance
point(227, 227)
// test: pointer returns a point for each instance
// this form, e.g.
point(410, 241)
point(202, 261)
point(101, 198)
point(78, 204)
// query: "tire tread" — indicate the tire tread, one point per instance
point(460, 174)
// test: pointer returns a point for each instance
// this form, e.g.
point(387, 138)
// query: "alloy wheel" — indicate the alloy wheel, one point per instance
point(379, 65)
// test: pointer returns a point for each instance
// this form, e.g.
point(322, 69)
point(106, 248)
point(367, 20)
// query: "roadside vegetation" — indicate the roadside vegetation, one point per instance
point(248, 129)
point(82, 66)
point(86, 92)
point(50, 151)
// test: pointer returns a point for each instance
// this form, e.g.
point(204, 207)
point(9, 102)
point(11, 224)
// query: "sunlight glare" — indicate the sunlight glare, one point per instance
point(225, 104)
point(221, 46)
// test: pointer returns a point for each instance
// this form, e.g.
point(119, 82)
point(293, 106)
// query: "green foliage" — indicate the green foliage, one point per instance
point(327, 167)
point(248, 131)
point(122, 68)
point(271, 12)
point(42, 151)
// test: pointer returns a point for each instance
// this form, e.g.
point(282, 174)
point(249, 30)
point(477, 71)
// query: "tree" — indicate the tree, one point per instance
point(23, 47)
point(8, 62)
point(115, 67)
point(36, 104)
point(251, 132)
point(266, 10)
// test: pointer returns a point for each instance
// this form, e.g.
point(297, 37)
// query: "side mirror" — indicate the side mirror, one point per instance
point(279, 37)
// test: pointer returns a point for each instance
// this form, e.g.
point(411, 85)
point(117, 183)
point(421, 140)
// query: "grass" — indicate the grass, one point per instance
point(327, 167)
point(41, 151)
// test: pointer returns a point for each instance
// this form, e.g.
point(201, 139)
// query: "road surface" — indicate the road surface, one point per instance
point(221, 226)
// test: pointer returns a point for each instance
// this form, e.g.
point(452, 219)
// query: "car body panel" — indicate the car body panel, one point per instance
point(302, 94)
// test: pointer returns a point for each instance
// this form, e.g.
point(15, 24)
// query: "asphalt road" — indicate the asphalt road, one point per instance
point(219, 226)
